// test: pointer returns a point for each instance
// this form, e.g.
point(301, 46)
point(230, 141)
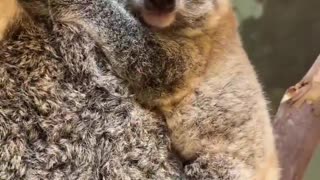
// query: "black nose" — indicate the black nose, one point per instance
point(160, 5)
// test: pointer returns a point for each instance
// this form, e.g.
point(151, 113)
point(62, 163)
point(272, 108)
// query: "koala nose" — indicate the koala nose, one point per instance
point(160, 5)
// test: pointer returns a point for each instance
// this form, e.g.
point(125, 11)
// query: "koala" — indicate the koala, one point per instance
point(64, 111)
point(214, 107)
point(82, 82)
point(207, 91)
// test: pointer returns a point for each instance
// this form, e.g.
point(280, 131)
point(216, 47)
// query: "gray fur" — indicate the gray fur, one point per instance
point(65, 115)
point(70, 76)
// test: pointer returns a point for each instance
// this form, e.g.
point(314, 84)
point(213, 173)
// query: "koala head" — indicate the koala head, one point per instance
point(164, 13)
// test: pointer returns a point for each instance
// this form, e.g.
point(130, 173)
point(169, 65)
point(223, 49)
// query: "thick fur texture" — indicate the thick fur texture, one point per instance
point(64, 114)
point(70, 74)
point(215, 110)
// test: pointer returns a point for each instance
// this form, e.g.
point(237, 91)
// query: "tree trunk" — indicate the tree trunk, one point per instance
point(297, 125)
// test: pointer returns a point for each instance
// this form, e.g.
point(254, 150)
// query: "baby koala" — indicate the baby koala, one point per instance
point(210, 96)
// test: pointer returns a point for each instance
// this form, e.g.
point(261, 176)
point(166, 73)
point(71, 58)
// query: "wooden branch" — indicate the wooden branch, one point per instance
point(297, 125)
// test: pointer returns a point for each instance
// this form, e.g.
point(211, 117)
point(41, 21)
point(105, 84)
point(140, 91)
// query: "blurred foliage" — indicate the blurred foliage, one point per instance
point(248, 9)
point(282, 38)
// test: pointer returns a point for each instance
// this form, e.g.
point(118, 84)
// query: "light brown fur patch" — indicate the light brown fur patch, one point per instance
point(9, 11)
point(215, 41)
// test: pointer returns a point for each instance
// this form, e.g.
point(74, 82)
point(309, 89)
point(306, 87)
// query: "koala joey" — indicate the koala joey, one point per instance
point(190, 65)
point(68, 69)
point(215, 107)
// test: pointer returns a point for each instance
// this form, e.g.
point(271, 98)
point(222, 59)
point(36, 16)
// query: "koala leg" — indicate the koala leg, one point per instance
point(226, 167)
point(218, 167)
point(224, 135)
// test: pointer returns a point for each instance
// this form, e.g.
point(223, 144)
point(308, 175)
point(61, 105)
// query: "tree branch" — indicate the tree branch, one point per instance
point(297, 125)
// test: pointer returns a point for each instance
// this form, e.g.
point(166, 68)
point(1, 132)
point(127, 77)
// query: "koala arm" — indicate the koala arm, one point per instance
point(218, 140)
point(218, 167)
point(223, 130)
point(153, 66)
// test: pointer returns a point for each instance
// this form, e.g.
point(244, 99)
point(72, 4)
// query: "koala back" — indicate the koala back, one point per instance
point(64, 114)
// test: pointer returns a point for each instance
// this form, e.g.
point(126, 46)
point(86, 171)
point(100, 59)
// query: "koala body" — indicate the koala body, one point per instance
point(72, 72)
point(64, 114)
point(215, 109)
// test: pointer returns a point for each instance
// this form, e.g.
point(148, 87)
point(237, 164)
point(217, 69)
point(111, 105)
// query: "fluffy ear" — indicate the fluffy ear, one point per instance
point(9, 11)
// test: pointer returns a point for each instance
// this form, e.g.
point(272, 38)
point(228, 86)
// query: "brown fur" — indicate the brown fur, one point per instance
point(218, 44)
point(9, 13)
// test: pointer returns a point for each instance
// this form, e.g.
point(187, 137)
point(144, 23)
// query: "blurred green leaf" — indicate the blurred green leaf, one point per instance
point(248, 9)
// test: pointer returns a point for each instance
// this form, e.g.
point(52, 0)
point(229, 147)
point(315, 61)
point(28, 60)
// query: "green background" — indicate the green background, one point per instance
point(282, 38)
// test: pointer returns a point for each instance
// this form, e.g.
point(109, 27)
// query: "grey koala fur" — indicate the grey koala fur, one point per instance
point(63, 112)
point(67, 110)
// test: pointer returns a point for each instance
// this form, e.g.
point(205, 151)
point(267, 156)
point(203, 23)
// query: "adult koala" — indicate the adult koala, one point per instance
point(64, 114)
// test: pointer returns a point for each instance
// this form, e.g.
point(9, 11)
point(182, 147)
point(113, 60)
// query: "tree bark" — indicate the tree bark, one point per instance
point(297, 125)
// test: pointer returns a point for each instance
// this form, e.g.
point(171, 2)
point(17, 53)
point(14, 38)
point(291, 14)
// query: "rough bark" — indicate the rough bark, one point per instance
point(297, 125)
